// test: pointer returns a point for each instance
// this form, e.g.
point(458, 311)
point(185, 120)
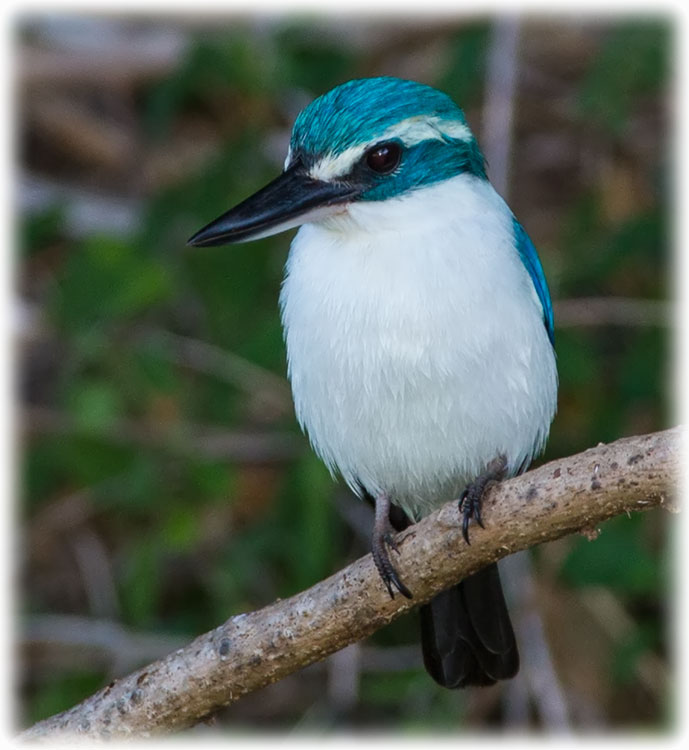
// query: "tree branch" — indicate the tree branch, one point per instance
point(252, 650)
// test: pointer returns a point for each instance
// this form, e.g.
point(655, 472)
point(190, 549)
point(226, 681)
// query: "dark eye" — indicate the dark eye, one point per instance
point(384, 158)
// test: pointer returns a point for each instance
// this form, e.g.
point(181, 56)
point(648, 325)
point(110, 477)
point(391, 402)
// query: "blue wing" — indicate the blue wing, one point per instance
point(532, 263)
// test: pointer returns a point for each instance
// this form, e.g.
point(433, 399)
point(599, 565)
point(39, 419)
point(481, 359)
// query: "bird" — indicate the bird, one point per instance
point(419, 332)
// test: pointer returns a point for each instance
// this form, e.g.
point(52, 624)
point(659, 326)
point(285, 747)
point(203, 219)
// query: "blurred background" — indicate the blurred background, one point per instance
point(164, 483)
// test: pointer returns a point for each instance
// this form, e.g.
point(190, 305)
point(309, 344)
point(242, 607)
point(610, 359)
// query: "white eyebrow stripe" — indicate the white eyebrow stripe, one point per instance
point(330, 167)
point(411, 132)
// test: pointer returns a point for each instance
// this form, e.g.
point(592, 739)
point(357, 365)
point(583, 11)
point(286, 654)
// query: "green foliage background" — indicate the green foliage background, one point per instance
point(118, 456)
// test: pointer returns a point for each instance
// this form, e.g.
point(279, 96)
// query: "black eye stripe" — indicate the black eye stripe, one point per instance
point(383, 158)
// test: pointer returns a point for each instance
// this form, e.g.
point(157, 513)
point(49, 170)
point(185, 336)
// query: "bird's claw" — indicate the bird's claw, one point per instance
point(386, 569)
point(472, 498)
point(470, 507)
point(383, 539)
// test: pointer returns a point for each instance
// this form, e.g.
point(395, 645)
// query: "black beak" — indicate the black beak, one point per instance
point(291, 199)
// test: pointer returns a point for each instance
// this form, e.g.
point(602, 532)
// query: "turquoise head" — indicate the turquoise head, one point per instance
point(370, 139)
point(387, 134)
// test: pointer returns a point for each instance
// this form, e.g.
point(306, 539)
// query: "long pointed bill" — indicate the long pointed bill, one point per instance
point(288, 201)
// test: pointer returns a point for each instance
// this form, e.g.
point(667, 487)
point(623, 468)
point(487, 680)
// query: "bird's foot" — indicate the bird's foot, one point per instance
point(472, 498)
point(383, 540)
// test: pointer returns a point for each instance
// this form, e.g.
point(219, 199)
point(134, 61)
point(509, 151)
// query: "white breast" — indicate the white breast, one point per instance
point(416, 345)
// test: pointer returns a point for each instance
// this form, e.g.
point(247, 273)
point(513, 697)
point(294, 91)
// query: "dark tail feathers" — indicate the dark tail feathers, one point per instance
point(466, 633)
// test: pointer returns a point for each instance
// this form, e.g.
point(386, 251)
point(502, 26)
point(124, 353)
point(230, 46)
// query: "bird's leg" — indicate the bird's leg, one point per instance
point(382, 539)
point(472, 497)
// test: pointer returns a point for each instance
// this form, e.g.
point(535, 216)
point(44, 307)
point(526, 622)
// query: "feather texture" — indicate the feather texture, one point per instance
point(415, 340)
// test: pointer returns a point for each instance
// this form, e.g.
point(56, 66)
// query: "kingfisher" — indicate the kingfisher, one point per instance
point(419, 332)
